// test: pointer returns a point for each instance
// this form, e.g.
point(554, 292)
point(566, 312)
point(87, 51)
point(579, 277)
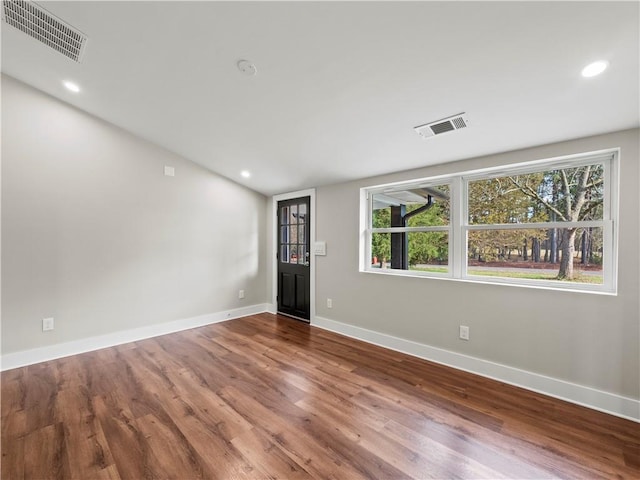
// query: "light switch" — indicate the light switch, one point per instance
point(320, 248)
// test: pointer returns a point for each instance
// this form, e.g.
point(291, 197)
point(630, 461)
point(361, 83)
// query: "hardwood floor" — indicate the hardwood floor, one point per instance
point(269, 397)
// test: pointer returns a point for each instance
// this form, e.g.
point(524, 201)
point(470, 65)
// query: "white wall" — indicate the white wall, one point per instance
point(94, 234)
point(587, 339)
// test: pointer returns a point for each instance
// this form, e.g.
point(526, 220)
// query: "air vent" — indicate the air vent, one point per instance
point(456, 122)
point(36, 22)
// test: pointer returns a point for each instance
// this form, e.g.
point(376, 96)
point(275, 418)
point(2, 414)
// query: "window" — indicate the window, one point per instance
point(547, 223)
point(411, 228)
point(293, 237)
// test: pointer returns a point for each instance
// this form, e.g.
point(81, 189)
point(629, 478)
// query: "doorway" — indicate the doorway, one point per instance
point(294, 258)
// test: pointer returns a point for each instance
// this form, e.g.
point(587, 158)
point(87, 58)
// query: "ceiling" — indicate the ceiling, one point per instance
point(340, 85)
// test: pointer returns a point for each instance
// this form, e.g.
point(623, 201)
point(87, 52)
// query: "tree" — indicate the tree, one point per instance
point(427, 247)
point(423, 247)
point(381, 242)
point(576, 195)
point(497, 201)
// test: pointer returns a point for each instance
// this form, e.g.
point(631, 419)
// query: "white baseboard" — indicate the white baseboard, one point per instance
point(620, 406)
point(272, 308)
point(51, 352)
point(617, 405)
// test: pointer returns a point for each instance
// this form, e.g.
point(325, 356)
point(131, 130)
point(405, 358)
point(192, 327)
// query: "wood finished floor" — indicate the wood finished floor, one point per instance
point(270, 397)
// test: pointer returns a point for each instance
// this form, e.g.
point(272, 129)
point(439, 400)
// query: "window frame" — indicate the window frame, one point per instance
point(459, 226)
point(435, 228)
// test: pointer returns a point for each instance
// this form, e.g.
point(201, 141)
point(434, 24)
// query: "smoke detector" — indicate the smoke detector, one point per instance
point(35, 21)
point(449, 124)
point(246, 67)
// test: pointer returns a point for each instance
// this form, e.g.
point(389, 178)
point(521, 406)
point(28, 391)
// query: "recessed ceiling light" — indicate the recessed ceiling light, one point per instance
point(595, 68)
point(245, 173)
point(71, 86)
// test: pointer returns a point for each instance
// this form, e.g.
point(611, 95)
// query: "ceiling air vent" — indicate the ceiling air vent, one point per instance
point(455, 122)
point(36, 22)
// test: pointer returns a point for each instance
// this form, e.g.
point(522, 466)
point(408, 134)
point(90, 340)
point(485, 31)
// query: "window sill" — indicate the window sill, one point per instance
point(564, 287)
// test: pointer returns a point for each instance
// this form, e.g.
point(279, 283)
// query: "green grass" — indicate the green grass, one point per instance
point(429, 269)
point(535, 276)
point(595, 279)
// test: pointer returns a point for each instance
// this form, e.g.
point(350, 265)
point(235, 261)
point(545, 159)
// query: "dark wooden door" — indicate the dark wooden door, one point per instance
point(294, 258)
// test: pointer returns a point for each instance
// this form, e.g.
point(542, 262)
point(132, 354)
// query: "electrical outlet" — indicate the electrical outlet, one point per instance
point(464, 332)
point(47, 324)
point(241, 294)
point(329, 303)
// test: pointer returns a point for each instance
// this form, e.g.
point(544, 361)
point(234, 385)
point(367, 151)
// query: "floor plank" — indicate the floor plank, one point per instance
point(266, 396)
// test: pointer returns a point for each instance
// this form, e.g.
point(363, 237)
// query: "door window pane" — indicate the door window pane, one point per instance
point(284, 253)
point(302, 258)
point(284, 234)
point(302, 213)
point(284, 215)
point(293, 232)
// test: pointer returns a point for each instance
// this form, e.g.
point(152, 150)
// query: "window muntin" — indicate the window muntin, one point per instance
point(564, 207)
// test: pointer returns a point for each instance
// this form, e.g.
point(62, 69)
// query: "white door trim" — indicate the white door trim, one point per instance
point(311, 193)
